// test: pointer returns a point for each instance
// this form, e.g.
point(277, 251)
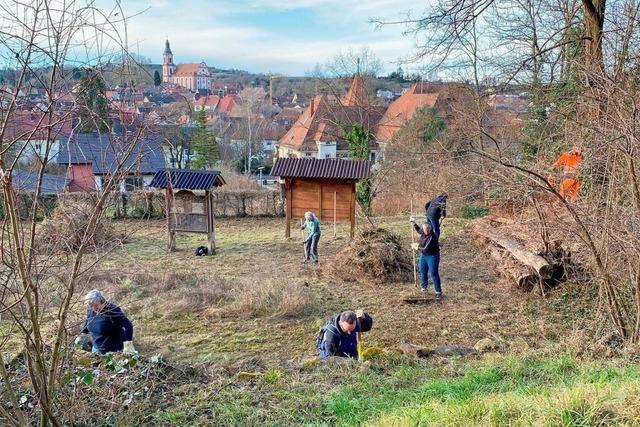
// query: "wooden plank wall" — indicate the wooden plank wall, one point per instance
point(319, 196)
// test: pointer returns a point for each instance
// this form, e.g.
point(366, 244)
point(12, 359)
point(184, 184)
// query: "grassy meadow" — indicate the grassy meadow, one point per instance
point(247, 319)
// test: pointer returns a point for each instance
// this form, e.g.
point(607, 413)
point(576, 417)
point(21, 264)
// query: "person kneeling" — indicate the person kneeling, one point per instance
point(108, 326)
point(340, 336)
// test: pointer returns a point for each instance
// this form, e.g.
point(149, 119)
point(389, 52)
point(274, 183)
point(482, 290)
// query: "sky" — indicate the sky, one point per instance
point(268, 36)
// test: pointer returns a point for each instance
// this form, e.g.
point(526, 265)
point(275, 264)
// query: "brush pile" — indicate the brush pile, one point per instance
point(97, 390)
point(69, 226)
point(374, 255)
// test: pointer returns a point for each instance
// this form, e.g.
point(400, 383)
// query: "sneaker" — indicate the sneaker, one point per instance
point(439, 297)
point(423, 290)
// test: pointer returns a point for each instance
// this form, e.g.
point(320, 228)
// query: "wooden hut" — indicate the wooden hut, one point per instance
point(326, 187)
point(189, 202)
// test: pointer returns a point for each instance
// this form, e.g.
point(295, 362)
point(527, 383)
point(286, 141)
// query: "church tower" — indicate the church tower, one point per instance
point(168, 67)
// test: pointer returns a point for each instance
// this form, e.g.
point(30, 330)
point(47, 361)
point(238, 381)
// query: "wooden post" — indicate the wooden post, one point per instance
point(211, 225)
point(352, 209)
point(413, 251)
point(335, 198)
point(171, 245)
point(287, 184)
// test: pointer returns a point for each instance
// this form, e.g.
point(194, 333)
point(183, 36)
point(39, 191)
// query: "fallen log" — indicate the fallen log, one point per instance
point(524, 277)
point(517, 251)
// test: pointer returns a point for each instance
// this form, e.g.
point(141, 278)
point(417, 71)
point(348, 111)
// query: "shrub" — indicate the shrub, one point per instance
point(474, 211)
point(65, 230)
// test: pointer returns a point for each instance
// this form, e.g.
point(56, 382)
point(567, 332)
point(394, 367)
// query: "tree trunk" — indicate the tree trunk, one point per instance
point(517, 251)
point(593, 27)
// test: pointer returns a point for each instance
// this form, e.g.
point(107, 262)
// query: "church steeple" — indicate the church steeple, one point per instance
point(168, 68)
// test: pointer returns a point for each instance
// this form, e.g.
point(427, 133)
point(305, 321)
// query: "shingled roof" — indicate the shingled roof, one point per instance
point(321, 168)
point(105, 151)
point(26, 182)
point(187, 179)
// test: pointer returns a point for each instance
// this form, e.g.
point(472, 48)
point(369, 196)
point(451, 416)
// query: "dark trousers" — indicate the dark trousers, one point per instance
point(311, 248)
point(429, 265)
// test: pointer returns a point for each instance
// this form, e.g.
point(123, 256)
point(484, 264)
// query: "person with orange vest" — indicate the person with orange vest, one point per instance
point(570, 162)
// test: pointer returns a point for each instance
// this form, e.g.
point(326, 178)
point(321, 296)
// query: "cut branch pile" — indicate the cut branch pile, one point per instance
point(525, 258)
point(374, 255)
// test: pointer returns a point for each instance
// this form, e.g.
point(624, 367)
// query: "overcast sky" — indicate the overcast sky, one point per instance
point(281, 36)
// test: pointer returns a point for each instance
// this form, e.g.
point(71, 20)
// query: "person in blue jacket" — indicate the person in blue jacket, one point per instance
point(339, 337)
point(108, 326)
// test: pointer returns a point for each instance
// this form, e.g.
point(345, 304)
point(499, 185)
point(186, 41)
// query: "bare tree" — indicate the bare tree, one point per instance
point(40, 39)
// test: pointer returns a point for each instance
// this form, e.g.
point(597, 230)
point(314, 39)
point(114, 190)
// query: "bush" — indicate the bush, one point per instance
point(474, 211)
point(65, 230)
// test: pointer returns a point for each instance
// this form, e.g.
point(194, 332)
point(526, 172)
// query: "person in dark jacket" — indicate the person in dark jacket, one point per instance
point(335, 332)
point(435, 210)
point(349, 345)
point(110, 329)
point(429, 248)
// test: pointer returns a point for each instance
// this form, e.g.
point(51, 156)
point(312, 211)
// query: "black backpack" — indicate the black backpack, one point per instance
point(320, 338)
point(202, 251)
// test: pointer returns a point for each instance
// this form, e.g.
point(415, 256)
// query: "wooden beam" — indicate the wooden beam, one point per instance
point(352, 207)
point(171, 244)
point(288, 200)
point(211, 225)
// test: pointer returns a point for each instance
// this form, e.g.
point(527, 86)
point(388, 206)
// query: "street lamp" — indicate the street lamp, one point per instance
point(260, 170)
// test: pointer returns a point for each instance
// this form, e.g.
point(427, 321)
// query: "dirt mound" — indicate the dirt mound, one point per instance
point(65, 230)
point(374, 255)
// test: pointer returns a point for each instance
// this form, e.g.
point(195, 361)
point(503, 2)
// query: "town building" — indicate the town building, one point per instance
point(195, 77)
point(91, 158)
point(319, 131)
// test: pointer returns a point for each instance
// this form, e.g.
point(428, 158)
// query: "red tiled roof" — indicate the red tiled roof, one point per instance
point(324, 119)
point(402, 109)
point(22, 123)
point(321, 168)
point(227, 104)
point(357, 94)
point(289, 114)
point(187, 70)
point(208, 101)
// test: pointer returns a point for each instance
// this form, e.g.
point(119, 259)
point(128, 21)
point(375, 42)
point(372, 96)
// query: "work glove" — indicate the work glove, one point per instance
point(84, 342)
point(128, 348)
point(412, 219)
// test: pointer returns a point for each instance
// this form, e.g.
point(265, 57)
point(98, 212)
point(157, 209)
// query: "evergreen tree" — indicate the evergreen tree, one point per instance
point(207, 152)
point(359, 148)
point(93, 105)
point(157, 81)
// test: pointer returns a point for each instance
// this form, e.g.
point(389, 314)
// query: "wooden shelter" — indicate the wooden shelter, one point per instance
point(326, 187)
point(189, 202)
